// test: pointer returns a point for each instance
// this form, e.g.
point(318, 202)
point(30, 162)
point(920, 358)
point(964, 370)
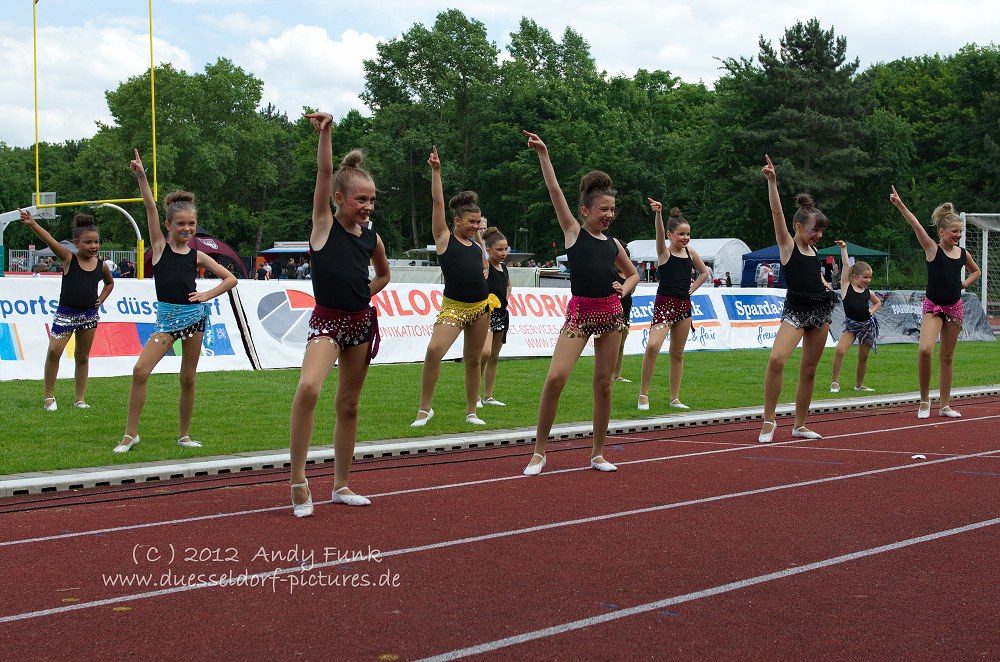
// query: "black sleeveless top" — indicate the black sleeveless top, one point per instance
point(462, 268)
point(79, 287)
point(340, 269)
point(675, 276)
point(804, 278)
point(944, 278)
point(856, 304)
point(174, 276)
point(594, 270)
point(498, 280)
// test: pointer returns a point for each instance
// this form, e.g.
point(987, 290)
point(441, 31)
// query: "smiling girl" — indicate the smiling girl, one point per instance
point(807, 311)
point(594, 310)
point(182, 312)
point(942, 308)
point(78, 311)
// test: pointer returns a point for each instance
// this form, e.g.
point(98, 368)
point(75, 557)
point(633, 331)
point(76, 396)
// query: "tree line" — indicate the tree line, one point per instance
point(930, 125)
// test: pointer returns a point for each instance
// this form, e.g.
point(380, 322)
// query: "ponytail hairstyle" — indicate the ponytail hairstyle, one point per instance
point(350, 170)
point(179, 201)
point(595, 184)
point(83, 223)
point(676, 220)
point(858, 268)
point(945, 215)
point(466, 202)
point(492, 236)
point(807, 212)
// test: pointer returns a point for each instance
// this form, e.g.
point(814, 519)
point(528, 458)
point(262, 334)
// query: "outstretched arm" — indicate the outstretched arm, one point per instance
point(661, 233)
point(439, 222)
point(156, 239)
point(781, 235)
point(570, 226)
point(925, 240)
point(322, 214)
point(58, 249)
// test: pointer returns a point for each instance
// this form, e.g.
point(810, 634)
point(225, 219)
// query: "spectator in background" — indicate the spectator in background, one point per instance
point(729, 280)
point(126, 269)
point(275, 269)
point(112, 267)
point(291, 269)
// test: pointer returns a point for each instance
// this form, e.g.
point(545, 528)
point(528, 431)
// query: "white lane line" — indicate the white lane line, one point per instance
point(494, 536)
point(473, 483)
point(697, 595)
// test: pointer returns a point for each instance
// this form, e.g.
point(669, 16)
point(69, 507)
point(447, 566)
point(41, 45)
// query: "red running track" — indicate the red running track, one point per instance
point(704, 545)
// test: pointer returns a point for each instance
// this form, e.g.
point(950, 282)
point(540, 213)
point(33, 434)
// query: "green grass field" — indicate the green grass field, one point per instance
point(248, 411)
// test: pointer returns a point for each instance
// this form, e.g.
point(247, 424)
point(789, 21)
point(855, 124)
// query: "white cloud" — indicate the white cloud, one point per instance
point(76, 66)
point(242, 24)
point(304, 66)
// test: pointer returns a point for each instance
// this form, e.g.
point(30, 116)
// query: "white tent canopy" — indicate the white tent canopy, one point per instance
point(720, 255)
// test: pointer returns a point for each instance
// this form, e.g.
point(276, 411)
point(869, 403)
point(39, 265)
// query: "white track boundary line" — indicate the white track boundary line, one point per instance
point(472, 483)
point(491, 536)
point(697, 595)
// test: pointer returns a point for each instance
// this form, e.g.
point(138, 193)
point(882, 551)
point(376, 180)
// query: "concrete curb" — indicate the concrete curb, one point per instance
point(78, 479)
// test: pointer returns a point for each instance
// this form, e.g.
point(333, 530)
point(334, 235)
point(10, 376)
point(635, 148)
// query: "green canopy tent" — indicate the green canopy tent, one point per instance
point(859, 253)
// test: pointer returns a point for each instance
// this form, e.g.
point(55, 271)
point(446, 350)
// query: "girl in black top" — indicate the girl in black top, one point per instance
point(672, 308)
point(499, 285)
point(859, 319)
point(463, 266)
point(78, 310)
point(343, 329)
point(181, 312)
point(807, 312)
point(942, 309)
point(595, 308)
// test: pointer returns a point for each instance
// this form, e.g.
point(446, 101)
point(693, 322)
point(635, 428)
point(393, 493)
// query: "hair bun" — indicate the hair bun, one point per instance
point(594, 180)
point(178, 196)
point(804, 201)
point(84, 221)
point(464, 199)
point(675, 212)
point(353, 159)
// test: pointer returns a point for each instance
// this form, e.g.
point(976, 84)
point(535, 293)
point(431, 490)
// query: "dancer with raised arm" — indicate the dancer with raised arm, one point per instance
point(942, 307)
point(807, 311)
point(79, 303)
point(466, 295)
point(860, 306)
point(595, 309)
point(343, 329)
point(182, 311)
point(672, 307)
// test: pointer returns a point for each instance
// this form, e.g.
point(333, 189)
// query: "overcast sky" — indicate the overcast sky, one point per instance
point(310, 52)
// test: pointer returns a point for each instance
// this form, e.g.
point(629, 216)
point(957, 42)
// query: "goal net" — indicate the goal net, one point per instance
point(981, 234)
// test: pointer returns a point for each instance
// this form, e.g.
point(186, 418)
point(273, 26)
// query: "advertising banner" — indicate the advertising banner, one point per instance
point(277, 317)
point(902, 310)
point(127, 317)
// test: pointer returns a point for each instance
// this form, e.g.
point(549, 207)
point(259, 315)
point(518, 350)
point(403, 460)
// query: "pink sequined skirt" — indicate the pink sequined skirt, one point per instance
point(669, 310)
point(345, 329)
point(953, 313)
point(586, 316)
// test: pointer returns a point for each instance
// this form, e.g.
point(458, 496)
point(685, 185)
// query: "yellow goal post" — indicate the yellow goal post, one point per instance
point(152, 100)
